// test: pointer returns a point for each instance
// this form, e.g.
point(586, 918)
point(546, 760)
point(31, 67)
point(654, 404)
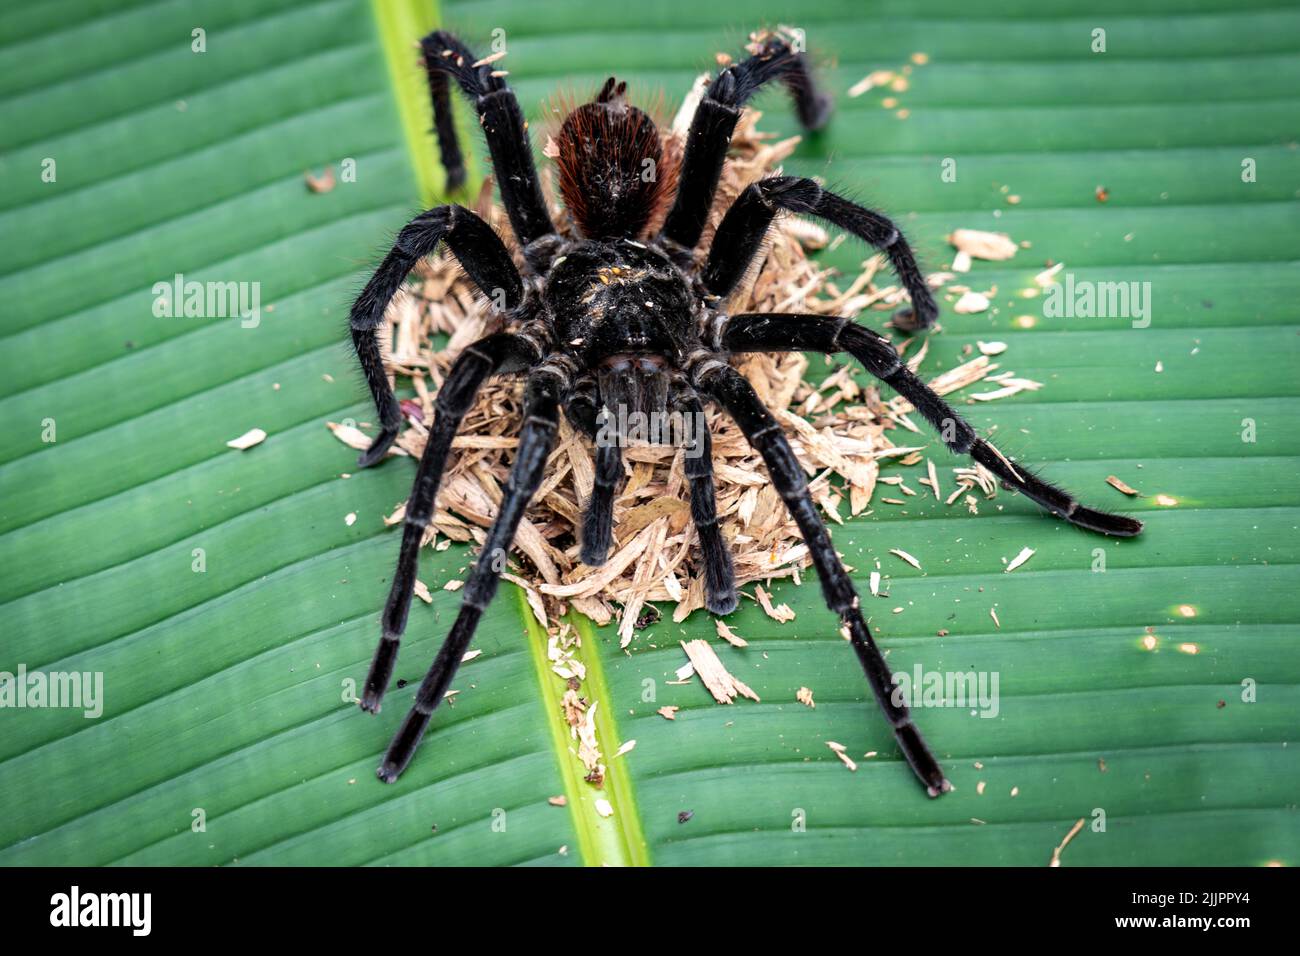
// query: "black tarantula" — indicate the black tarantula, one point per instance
point(618, 313)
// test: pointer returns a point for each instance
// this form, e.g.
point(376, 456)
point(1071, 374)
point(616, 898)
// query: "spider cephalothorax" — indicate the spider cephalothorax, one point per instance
point(616, 318)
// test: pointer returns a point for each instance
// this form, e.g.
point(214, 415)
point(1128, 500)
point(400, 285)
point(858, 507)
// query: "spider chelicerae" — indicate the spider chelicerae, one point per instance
point(616, 317)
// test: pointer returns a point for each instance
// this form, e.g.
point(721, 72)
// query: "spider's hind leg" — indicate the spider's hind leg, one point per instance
point(697, 446)
point(597, 533)
point(777, 332)
point(764, 433)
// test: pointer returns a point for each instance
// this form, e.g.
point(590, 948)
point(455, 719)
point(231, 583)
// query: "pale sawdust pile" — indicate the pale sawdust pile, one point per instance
point(842, 433)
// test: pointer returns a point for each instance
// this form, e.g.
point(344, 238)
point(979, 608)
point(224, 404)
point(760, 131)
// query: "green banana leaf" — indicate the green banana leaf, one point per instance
point(1149, 688)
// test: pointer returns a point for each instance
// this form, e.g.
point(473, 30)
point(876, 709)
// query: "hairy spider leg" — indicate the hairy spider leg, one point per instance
point(502, 352)
point(739, 239)
point(737, 396)
point(503, 126)
point(480, 253)
point(719, 570)
point(780, 332)
point(536, 439)
point(715, 121)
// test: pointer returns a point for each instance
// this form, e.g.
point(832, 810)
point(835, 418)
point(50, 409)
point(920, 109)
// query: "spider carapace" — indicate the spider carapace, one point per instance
point(617, 311)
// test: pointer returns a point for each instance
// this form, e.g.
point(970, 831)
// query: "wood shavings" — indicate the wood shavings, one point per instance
point(994, 614)
point(1122, 487)
point(991, 348)
point(627, 746)
point(1056, 853)
point(971, 303)
point(350, 518)
point(780, 612)
point(1024, 555)
point(841, 751)
point(668, 713)
point(721, 684)
point(992, 246)
point(422, 591)
point(899, 552)
point(322, 183)
point(728, 635)
point(558, 801)
point(254, 436)
point(604, 807)
point(805, 696)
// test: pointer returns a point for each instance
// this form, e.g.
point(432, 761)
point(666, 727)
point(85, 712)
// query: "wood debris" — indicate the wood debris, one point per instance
point(841, 751)
point(842, 432)
point(993, 246)
point(728, 635)
point(254, 436)
point(805, 696)
point(780, 612)
point(1120, 486)
point(721, 684)
point(906, 557)
point(1056, 853)
point(669, 712)
point(322, 183)
point(1024, 555)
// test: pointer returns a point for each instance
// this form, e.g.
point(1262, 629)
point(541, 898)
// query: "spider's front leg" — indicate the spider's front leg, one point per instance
point(483, 257)
point(546, 384)
point(503, 126)
point(777, 332)
point(714, 376)
point(740, 236)
point(715, 121)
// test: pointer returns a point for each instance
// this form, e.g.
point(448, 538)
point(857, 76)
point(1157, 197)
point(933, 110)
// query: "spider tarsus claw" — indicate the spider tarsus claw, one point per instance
point(933, 791)
point(721, 604)
point(369, 702)
point(1117, 526)
point(820, 113)
point(378, 449)
point(387, 773)
point(593, 555)
point(907, 319)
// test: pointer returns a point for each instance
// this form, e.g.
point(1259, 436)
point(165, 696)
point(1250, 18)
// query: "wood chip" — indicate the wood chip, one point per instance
point(1121, 486)
point(780, 612)
point(254, 436)
point(906, 557)
point(1056, 853)
point(841, 751)
point(721, 684)
point(728, 635)
point(805, 697)
point(668, 712)
point(1024, 555)
point(992, 246)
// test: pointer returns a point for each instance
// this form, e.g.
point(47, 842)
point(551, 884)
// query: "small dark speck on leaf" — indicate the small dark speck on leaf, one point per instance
point(402, 682)
point(685, 815)
point(1222, 704)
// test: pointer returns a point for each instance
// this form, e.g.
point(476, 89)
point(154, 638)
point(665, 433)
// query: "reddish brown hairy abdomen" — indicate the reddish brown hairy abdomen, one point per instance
point(616, 175)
